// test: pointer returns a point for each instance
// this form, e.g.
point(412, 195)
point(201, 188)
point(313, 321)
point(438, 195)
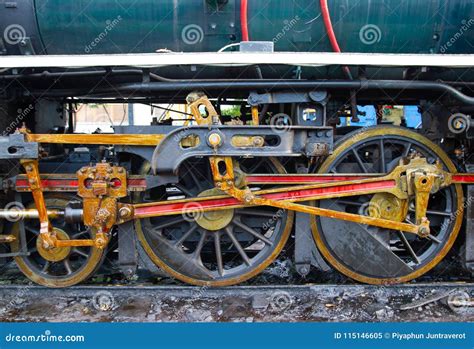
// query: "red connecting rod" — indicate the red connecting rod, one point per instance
point(136, 183)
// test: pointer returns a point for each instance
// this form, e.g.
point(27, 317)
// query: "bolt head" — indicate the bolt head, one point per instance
point(124, 212)
point(248, 198)
point(215, 140)
point(304, 270)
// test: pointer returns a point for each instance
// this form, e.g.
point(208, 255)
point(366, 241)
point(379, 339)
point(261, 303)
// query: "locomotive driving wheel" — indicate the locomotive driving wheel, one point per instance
point(59, 266)
point(217, 248)
point(381, 256)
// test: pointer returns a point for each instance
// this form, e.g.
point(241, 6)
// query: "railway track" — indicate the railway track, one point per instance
point(432, 302)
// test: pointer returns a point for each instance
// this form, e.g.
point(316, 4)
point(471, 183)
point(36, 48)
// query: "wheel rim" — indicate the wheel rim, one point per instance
point(379, 256)
point(232, 254)
point(78, 262)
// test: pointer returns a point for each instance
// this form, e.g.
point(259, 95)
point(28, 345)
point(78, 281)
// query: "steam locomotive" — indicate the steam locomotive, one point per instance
point(213, 198)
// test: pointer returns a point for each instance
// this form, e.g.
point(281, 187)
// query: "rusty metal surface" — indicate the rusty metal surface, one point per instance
point(208, 115)
point(99, 139)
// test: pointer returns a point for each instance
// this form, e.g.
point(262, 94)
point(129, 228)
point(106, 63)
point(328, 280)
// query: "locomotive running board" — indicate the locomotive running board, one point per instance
point(150, 60)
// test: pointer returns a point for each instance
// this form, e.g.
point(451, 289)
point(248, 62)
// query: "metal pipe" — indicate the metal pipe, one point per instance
point(7, 239)
point(242, 85)
point(101, 73)
point(70, 74)
point(15, 215)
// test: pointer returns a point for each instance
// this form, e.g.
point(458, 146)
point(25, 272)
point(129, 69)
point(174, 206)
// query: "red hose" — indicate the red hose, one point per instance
point(328, 25)
point(244, 20)
point(330, 32)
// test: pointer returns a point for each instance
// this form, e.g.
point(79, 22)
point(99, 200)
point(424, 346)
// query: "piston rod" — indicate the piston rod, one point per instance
point(14, 215)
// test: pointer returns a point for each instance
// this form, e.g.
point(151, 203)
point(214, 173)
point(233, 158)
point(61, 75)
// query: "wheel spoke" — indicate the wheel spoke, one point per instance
point(184, 190)
point(31, 229)
point(406, 152)
point(237, 245)
point(434, 239)
point(359, 160)
point(408, 246)
point(171, 222)
point(46, 267)
point(217, 246)
point(251, 212)
point(383, 165)
point(434, 212)
point(79, 234)
point(67, 265)
point(79, 252)
point(253, 232)
point(254, 167)
point(193, 177)
point(202, 240)
point(186, 235)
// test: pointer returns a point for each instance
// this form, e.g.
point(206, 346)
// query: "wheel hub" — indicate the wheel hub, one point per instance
point(214, 220)
point(388, 206)
point(54, 254)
